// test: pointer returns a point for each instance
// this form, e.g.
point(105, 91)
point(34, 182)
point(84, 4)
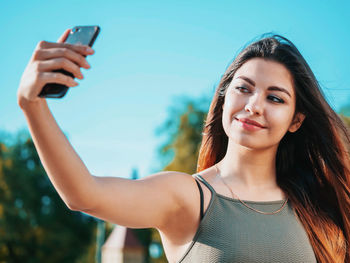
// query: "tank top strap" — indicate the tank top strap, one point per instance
point(205, 183)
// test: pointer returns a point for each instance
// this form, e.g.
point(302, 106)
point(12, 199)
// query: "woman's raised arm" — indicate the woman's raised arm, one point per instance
point(146, 202)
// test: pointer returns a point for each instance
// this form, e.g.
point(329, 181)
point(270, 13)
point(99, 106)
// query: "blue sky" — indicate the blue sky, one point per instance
point(151, 52)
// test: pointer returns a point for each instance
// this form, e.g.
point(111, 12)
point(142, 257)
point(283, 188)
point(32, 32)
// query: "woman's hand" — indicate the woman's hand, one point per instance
point(49, 56)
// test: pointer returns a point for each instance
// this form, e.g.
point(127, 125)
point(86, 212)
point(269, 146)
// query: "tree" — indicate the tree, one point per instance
point(183, 129)
point(35, 224)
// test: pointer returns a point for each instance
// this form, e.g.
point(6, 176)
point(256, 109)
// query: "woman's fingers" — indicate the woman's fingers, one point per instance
point(82, 49)
point(56, 77)
point(45, 54)
point(32, 82)
point(59, 63)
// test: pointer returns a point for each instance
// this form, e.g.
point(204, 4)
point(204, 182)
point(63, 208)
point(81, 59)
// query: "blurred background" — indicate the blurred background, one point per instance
point(140, 108)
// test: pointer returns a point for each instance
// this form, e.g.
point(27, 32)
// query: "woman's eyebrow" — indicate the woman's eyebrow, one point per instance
point(251, 82)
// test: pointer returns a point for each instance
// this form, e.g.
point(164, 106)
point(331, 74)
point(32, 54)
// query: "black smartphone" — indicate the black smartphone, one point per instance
point(79, 35)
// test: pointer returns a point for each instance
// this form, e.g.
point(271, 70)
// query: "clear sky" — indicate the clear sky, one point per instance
point(150, 52)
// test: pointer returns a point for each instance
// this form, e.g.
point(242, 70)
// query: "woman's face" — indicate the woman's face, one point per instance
point(261, 91)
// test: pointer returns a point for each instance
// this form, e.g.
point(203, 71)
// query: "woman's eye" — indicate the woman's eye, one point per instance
point(276, 99)
point(242, 89)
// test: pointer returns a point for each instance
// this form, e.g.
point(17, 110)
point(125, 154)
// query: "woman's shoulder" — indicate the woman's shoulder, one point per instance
point(174, 178)
point(187, 189)
point(169, 177)
point(171, 181)
point(177, 181)
point(182, 185)
point(186, 217)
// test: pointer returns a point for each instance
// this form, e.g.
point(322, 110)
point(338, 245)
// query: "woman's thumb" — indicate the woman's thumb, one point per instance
point(64, 36)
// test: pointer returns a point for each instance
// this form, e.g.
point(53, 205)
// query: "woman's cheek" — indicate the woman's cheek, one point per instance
point(278, 128)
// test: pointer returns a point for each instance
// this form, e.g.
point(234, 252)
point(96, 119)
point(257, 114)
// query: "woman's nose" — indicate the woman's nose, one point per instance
point(255, 105)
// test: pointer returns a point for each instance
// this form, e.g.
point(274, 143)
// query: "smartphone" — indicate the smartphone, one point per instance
point(79, 35)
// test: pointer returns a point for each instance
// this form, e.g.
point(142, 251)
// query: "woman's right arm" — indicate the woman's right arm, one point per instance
point(147, 202)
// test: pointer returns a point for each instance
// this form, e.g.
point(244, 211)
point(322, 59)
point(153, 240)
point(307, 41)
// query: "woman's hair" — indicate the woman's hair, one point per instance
point(312, 164)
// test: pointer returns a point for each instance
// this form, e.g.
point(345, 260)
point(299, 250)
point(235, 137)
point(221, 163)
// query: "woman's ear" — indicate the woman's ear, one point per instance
point(297, 121)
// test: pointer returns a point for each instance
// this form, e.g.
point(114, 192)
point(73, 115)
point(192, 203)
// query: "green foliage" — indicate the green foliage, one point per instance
point(183, 129)
point(35, 224)
point(346, 120)
point(144, 235)
point(345, 110)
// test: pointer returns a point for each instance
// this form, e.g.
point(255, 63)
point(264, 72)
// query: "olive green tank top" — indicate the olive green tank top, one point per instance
point(231, 232)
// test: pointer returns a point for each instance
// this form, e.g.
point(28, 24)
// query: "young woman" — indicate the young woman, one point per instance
point(273, 171)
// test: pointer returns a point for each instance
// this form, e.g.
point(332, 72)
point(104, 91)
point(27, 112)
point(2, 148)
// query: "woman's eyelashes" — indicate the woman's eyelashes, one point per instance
point(244, 89)
point(276, 99)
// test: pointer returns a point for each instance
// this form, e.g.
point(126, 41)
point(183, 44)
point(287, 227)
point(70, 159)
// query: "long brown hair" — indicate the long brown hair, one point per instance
point(312, 164)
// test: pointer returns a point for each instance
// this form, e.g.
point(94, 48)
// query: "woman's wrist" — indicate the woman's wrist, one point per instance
point(27, 105)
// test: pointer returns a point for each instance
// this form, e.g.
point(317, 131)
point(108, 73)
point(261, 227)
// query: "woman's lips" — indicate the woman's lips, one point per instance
point(250, 125)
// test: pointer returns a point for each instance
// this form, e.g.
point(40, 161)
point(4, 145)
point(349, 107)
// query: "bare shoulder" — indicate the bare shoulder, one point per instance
point(172, 181)
point(182, 223)
point(167, 177)
point(184, 186)
point(180, 184)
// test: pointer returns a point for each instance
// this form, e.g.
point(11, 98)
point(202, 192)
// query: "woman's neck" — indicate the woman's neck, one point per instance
point(249, 168)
